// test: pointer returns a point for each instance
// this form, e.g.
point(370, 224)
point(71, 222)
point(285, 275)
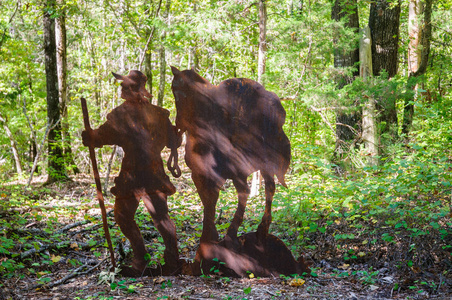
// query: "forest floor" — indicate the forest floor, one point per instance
point(58, 253)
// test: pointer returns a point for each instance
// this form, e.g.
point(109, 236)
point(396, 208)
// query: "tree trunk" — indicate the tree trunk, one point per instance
point(418, 53)
point(31, 124)
point(193, 57)
point(347, 123)
point(148, 68)
point(262, 41)
point(161, 94)
point(62, 83)
point(255, 183)
point(369, 124)
point(343, 58)
point(13, 145)
point(56, 164)
point(384, 22)
point(162, 55)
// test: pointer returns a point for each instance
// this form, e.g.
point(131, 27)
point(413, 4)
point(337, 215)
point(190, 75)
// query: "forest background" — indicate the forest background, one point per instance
point(370, 130)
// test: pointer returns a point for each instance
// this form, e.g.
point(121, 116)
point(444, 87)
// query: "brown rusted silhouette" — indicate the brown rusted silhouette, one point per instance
point(234, 129)
point(262, 256)
point(142, 130)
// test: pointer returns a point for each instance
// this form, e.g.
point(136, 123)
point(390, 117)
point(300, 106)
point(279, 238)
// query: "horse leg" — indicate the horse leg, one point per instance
point(209, 192)
point(262, 229)
point(125, 208)
point(243, 192)
point(157, 206)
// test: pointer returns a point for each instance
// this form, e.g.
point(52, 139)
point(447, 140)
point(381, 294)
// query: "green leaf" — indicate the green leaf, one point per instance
point(247, 290)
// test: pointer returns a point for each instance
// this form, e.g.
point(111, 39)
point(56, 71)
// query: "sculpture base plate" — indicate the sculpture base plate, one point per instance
point(250, 253)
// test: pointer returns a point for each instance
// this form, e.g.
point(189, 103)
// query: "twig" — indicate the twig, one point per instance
point(28, 120)
point(88, 229)
point(325, 120)
point(75, 273)
point(349, 127)
point(70, 226)
point(328, 108)
point(69, 276)
point(35, 163)
point(107, 176)
point(146, 47)
point(9, 22)
point(63, 244)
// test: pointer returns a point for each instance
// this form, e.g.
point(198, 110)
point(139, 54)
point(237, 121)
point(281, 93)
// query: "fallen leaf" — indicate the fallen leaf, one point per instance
point(55, 258)
point(159, 280)
point(387, 279)
point(296, 282)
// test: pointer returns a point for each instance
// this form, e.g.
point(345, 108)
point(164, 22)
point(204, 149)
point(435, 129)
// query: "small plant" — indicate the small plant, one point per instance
point(215, 269)
point(122, 285)
point(166, 284)
point(367, 278)
point(225, 280)
point(107, 277)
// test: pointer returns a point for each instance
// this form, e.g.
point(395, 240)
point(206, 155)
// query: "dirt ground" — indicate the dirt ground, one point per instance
point(375, 277)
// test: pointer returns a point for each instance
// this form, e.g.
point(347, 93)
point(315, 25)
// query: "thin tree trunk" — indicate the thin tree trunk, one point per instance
point(418, 53)
point(194, 57)
point(152, 14)
point(369, 124)
point(33, 139)
point(255, 182)
point(162, 55)
point(161, 94)
point(56, 164)
point(148, 68)
point(62, 83)
point(13, 145)
point(262, 41)
point(107, 175)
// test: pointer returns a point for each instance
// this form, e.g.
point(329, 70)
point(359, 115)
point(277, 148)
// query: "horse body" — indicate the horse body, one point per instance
point(233, 129)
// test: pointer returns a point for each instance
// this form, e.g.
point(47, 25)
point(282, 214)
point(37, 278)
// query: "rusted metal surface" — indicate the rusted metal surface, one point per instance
point(142, 130)
point(263, 256)
point(233, 129)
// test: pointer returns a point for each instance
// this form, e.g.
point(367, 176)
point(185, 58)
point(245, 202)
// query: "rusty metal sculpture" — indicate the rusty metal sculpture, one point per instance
point(142, 130)
point(234, 129)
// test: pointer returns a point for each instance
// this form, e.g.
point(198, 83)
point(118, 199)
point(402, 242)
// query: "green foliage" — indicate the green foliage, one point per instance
point(400, 202)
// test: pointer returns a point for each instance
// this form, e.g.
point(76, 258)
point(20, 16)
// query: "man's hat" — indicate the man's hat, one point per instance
point(135, 79)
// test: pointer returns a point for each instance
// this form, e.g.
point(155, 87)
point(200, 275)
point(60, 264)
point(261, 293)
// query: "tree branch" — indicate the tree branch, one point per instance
point(9, 22)
point(75, 273)
point(35, 163)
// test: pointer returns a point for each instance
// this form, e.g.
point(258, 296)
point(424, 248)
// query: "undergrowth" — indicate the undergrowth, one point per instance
point(396, 216)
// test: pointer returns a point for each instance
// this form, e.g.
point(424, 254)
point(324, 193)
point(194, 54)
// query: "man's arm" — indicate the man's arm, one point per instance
point(106, 134)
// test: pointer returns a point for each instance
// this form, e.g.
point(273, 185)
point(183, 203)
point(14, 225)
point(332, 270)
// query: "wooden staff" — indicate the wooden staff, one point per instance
point(100, 197)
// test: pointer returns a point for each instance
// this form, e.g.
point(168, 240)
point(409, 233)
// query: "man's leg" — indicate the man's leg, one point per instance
point(157, 206)
point(125, 208)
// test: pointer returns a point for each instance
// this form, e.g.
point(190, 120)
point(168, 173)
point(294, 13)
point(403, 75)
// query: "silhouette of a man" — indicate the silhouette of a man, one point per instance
point(142, 130)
